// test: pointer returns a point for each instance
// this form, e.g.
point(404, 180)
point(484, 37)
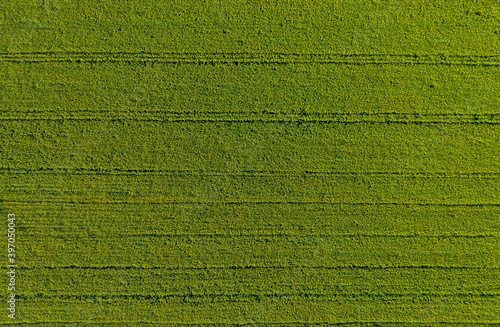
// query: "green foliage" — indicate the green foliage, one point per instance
point(252, 163)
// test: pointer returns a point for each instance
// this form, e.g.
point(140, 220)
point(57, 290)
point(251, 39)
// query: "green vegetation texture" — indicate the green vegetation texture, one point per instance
point(251, 163)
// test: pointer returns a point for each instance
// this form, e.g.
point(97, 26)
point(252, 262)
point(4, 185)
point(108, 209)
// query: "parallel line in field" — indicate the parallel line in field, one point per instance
point(278, 121)
point(270, 113)
point(49, 233)
point(264, 203)
point(238, 297)
point(366, 267)
point(247, 173)
point(249, 62)
point(253, 323)
point(242, 53)
point(251, 58)
point(383, 116)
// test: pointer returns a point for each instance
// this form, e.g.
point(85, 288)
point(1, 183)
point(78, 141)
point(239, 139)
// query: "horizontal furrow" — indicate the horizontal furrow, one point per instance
point(254, 323)
point(383, 116)
point(257, 203)
point(249, 58)
point(204, 173)
point(238, 121)
point(239, 234)
point(172, 117)
point(457, 297)
point(211, 267)
point(238, 55)
point(253, 62)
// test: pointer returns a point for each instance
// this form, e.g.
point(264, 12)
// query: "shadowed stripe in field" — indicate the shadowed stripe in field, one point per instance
point(172, 172)
point(253, 58)
point(368, 267)
point(218, 297)
point(277, 324)
point(250, 235)
point(64, 117)
point(262, 203)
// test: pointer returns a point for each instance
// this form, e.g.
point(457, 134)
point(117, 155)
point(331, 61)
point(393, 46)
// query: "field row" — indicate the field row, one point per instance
point(180, 298)
point(232, 149)
point(271, 311)
point(251, 58)
point(162, 91)
point(253, 220)
point(363, 282)
point(187, 252)
point(250, 26)
point(251, 189)
point(238, 118)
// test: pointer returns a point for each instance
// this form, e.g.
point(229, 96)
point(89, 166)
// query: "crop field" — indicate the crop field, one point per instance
point(250, 162)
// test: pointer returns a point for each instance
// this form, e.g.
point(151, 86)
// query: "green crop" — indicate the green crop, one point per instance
point(251, 163)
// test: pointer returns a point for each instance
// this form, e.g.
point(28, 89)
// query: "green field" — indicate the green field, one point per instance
point(251, 163)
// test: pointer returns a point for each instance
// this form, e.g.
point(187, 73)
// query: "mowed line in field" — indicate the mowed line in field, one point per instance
point(288, 235)
point(262, 117)
point(149, 267)
point(254, 58)
point(232, 203)
point(476, 121)
point(294, 323)
point(203, 173)
point(396, 298)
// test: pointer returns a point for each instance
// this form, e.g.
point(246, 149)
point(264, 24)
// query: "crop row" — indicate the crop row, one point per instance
point(162, 91)
point(239, 26)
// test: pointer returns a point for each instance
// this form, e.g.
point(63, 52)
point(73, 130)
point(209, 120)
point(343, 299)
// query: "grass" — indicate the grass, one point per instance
point(241, 163)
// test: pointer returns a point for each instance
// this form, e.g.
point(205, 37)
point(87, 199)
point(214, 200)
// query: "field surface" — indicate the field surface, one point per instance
point(251, 163)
